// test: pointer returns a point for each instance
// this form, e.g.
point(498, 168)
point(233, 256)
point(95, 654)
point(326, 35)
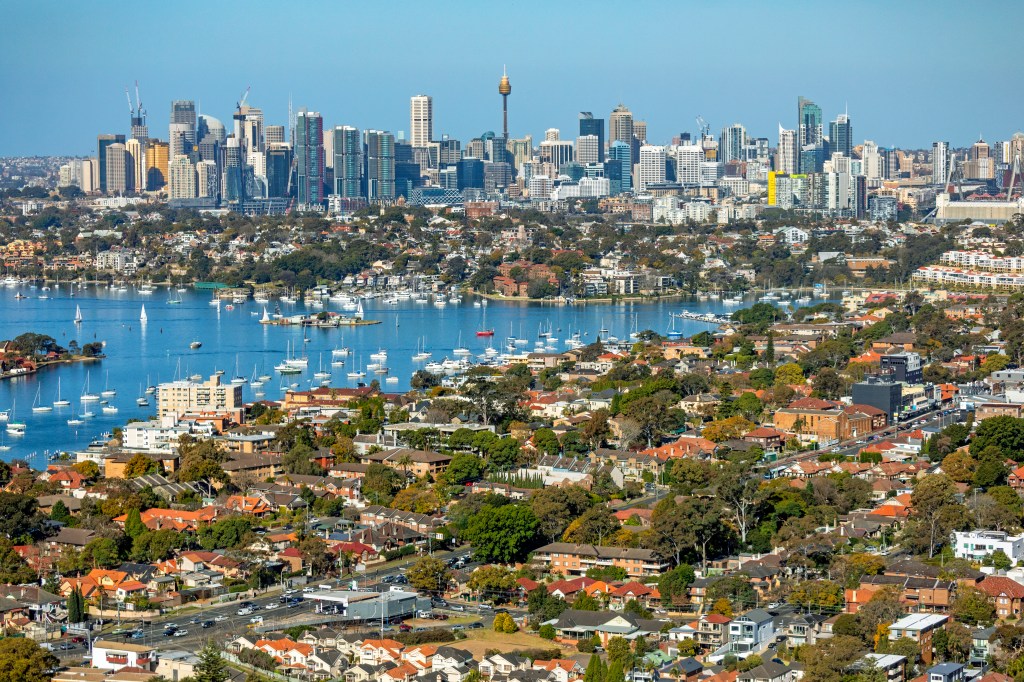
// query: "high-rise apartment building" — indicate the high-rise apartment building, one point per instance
point(651, 169)
point(348, 162)
point(309, 158)
point(102, 142)
point(118, 168)
point(787, 153)
point(593, 126)
point(136, 151)
point(731, 143)
point(873, 161)
point(810, 122)
point(207, 179)
point(279, 167)
point(379, 162)
point(840, 135)
point(421, 120)
point(688, 158)
point(182, 128)
point(173, 399)
point(940, 162)
point(182, 178)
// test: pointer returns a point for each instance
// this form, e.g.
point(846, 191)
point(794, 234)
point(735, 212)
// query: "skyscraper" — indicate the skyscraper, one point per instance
point(182, 128)
point(840, 135)
point(379, 159)
point(587, 147)
point(504, 89)
point(731, 143)
point(593, 126)
point(421, 120)
point(279, 166)
point(136, 150)
point(309, 158)
point(157, 157)
point(809, 119)
point(940, 162)
point(117, 167)
point(207, 180)
point(348, 162)
point(183, 178)
point(787, 153)
point(102, 142)
point(620, 127)
point(621, 153)
point(651, 167)
point(274, 135)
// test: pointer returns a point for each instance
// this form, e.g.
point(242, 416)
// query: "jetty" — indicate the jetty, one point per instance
point(710, 318)
point(321, 320)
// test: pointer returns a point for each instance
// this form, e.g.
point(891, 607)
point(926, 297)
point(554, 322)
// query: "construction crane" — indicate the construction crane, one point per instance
point(1015, 175)
point(131, 109)
point(138, 102)
point(245, 96)
point(702, 126)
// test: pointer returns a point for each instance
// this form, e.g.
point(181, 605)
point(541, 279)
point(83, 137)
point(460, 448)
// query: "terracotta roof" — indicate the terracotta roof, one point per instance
point(997, 585)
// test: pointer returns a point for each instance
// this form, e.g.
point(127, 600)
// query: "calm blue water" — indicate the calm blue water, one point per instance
point(159, 351)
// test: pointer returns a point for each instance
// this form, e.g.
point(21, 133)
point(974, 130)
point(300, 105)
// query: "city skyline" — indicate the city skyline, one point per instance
point(549, 90)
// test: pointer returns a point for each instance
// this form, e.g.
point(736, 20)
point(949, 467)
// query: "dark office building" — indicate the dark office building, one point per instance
point(905, 367)
point(407, 177)
point(279, 164)
point(881, 392)
point(593, 126)
point(470, 173)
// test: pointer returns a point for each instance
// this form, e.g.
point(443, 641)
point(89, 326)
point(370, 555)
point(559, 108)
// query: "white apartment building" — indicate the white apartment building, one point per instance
point(651, 169)
point(175, 398)
point(978, 544)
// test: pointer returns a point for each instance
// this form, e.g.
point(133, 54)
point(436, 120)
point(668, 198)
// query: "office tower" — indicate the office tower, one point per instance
point(183, 111)
point(207, 180)
point(469, 173)
point(651, 169)
point(348, 162)
point(309, 158)
point(117, 168)
point(136, 150)
point(497, 176)
point(732, 142)
point(279, 166)
point(449, 152)
point(379, 162)
point(688, 158)
point(809, 120)
point(587, 149)
point(139, 130)
point(421, 120)
point(233, 185)
point(90, 175)
point(183, 178)
point(640, 132)
point(157, 158)
point(249, 126)
point(622, 153)
point(448, 177)
point(497, 149)
point(786, 156)
point(593, 126)
point(552, 134)
point(940, 162)
point(840, 135)
point(504, 89)
point(274, 135)
point(475, 149)
point(979, 164)
point(556, 152)
point(521, 151)
point(102, 142)
point(620, 127)
point(181, 138)
point(210, 127)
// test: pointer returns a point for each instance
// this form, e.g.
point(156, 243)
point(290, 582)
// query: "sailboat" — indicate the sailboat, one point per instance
point(460, 349)
point(357, 374)
point(421, 353)
point(238, 378)
point(342, 351)
point(86, 396)
point(484, 329)
point(13, 427)
point(174, 300)
point(78, 314)
point(143, 317)
point(142, 400)
point(321, 374)
point(60, 402)
point(254, 382)
point(37, 406)
point(107, 392)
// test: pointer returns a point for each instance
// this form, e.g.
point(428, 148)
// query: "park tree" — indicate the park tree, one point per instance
point(502, 534)
point(212, 667)
point(133, 525)
point(22, 660)
point(936, 508)
point(429, 574)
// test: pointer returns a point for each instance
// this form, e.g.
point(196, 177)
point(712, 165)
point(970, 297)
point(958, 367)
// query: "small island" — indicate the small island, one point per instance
point(29, 352)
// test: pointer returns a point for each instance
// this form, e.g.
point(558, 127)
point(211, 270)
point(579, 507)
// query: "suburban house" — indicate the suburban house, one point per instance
point(572, 559)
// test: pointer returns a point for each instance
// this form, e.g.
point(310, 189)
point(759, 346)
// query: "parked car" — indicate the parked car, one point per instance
point(440, 616)
point(180, 633)
point(404, 628)
point(79, 639)
point(138, 634)
point(476, 626)
point(457, 607)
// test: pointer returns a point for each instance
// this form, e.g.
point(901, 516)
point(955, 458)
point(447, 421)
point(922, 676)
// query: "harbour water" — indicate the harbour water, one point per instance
point(139, 355)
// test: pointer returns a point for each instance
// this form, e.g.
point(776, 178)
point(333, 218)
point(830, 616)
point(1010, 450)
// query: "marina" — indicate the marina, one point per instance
point(195, 339)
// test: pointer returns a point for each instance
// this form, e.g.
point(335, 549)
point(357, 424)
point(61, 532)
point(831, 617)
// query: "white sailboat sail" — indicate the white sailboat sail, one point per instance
point(143, 317)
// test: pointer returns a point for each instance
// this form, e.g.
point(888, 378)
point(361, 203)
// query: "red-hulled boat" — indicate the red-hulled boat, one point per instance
point(485, 332)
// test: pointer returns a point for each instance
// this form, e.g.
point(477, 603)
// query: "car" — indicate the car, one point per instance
point(169, 632)
point(438, 602)
point(271, 606)
point(171, 626)
point(419, 629)
point(138, 634)
point(476, 626)
point(401, 580)
point(485, 607)
point(440, 616)
point(423, 614)
point(307, 590)
point(290, 592)
point(256, 619)
point(456, 607)
point(501, 609)
point(243, 612)
point(78, 639)
point(456, 628)
point(66, 646)
point(220, 619)
point(194, 621)
point(404, 628)
point(180, 633)
point(207, 624)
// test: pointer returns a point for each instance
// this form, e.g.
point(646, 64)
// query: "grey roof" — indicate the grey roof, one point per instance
point(756, 615)
point(765, 671)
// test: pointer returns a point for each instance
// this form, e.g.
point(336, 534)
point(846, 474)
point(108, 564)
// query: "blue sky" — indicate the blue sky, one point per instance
point(910, 72)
